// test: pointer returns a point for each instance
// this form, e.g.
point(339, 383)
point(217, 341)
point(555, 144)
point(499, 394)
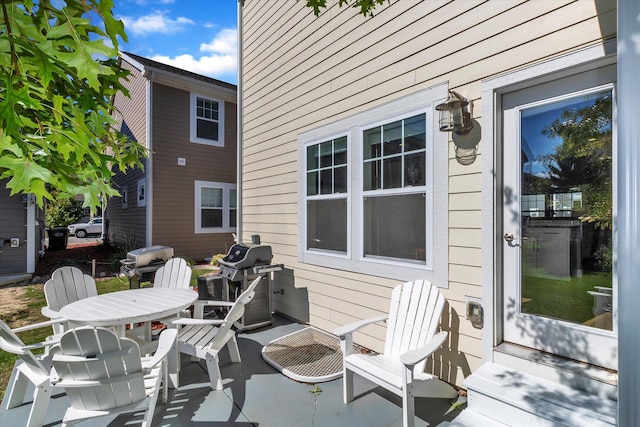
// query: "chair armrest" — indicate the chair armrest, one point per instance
point(188, 321)
point(51, 314)
point(413, 357)
point(25, 349)
point(43, 344)
point(211, 303)
point(165, 343)
point(40, 325)
point(600, 294)
point(352, 327)
point(12, 348)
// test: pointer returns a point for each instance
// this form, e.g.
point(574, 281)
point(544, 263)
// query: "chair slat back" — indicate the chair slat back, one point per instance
point(11, 343)
point(68, 284)
point(110, 365)
point(174, 274)
point(414, 317)
point(235, 313)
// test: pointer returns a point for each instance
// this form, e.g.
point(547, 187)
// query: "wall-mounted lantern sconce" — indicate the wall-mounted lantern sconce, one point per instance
point(454, 114)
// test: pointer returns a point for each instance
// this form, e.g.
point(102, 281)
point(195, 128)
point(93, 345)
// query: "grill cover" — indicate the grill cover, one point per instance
point(148, 255)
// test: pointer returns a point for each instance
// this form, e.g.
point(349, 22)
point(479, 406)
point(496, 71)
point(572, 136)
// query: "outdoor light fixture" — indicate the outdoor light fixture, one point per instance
point(454, 114)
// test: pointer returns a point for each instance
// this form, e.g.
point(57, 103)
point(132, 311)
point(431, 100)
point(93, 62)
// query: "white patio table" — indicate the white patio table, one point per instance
point(133, 306)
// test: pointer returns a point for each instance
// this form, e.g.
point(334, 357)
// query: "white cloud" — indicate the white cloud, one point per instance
point(156, 22)
point(226, 41)
point(216, 66)
point(219, 59)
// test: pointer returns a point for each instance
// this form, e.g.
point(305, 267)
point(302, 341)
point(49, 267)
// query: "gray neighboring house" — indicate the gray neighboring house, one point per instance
point(22, 232)
point(185, 197)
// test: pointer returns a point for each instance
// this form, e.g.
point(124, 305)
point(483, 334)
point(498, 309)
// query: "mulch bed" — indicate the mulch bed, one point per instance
point(80, 256)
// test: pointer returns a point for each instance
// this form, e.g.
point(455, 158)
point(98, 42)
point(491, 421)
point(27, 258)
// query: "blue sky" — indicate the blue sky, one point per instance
point(195, 35)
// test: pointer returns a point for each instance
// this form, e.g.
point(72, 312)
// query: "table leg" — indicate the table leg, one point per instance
point(134, 282)
point(173, 364)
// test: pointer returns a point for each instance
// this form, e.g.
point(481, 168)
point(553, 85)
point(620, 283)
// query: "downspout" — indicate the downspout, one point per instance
point(239, 129)
point(628, 223)
point(149, 75)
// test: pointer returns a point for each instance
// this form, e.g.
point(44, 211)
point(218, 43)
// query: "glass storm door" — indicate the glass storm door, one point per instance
point(558, 214)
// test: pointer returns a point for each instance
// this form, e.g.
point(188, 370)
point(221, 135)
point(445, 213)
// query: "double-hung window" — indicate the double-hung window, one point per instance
point(394, 190)
point(215, 207)
point(367, 192)
point(207, 120)
point(327, 195)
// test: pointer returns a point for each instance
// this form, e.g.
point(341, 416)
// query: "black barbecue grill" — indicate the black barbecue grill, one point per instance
point(242, 264)
point(142, 264)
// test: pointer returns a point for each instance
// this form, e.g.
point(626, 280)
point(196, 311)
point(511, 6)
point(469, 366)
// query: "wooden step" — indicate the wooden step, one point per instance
point(519, 399)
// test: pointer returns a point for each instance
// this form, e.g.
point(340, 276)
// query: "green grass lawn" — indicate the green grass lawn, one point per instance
point(562, 299)
point(30, 313)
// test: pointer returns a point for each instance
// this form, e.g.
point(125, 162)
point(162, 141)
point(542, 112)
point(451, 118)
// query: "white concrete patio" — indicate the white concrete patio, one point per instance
point(255, 394)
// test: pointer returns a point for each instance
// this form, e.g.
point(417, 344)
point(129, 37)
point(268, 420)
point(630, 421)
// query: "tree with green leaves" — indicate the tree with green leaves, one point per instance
point(583, 161)
point(58, 72)
point(366, 6)
point(62, 212)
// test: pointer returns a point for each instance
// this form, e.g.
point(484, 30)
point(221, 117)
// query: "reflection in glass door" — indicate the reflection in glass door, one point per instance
point(558, 237)
point(566, 210)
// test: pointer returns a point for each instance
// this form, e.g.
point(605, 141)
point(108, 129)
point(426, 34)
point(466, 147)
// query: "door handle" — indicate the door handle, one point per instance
point(509, 238)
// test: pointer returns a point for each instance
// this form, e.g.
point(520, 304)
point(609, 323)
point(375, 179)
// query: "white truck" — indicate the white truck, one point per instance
point(94, 226)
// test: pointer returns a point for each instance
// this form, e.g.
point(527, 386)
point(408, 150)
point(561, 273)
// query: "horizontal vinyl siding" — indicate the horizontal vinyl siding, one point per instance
point(174, 185)
point(134, 107)
point(303, 72)
point(13, 223)
point(126, 228)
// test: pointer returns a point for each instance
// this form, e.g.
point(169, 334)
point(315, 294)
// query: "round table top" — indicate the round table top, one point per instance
point(130, 306)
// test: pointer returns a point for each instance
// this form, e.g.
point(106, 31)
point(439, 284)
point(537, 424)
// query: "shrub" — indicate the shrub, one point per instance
point(215, 258)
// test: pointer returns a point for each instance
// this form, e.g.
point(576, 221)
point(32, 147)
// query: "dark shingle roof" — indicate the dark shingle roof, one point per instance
point(179, 71)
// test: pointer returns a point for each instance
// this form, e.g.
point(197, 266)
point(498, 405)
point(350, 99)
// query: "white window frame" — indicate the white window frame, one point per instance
point(335, 196)
point(193, 121)
point(225, 187)
point(142, 193)
point(435, 268)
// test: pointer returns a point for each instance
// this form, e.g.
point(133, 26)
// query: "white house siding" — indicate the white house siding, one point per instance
point(303, 72)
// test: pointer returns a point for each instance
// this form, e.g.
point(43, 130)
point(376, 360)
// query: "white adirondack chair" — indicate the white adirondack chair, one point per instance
point(67, 284)
point(28, 369)
point(174, 274)
point(205, 338)
point(413, 319)
point(103, 374)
